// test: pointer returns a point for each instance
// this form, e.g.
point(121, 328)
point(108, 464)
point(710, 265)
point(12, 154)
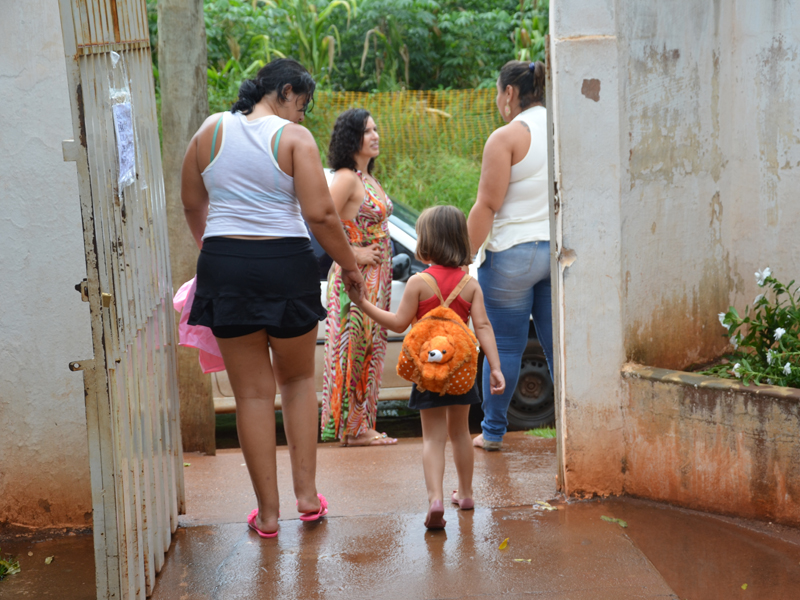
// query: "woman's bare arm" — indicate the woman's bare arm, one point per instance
point(316, 203)
point(345, 189)
point(493, 185)
point(193, 191)
point(399, 321)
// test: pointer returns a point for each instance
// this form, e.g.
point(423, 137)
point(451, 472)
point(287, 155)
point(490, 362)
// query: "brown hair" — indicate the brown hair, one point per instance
point(528, 78)
point(442, 237)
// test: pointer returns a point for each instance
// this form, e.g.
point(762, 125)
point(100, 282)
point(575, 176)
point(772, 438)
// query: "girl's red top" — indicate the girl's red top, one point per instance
point(447, 278)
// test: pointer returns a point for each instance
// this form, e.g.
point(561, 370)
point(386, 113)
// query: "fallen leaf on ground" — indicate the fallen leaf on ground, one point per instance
point(48, 560)
point(522, 560)
point(503, 545)
point(744, 586)
point(620, 522)
point(545, 505)
point(187, 464)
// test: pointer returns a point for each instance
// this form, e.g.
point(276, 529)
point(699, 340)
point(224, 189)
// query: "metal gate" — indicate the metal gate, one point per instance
point(132, 406)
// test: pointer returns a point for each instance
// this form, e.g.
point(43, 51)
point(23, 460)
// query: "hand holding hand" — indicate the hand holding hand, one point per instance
point(497, 383)
point(353, 283)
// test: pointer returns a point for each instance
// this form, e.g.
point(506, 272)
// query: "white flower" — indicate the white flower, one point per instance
point(787, 369)
point(769, 381)
point(761, 276)
point(779, 333)
point(735, 341)
point(770, 357)
point(735, 370)
point(758, 299)
point(722, 321)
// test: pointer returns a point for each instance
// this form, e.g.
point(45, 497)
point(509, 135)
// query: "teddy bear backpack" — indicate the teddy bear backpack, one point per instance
point(440, 353)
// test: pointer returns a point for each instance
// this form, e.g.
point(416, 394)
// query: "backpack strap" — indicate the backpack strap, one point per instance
point(431, 281)
point(457, 290)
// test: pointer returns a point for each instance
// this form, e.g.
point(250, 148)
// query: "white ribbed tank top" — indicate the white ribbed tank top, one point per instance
point(248, 193)
point(525, 214)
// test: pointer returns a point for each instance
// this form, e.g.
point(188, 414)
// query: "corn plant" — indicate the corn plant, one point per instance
point(766, 340)
point(311, 35)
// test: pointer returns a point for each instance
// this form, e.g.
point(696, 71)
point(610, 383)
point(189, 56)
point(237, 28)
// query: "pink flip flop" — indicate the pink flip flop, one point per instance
point(314, 516)
point(251, 523)
point(463, 503)
point(435, 518)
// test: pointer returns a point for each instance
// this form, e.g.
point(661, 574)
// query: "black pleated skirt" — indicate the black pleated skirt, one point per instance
point(269, 283)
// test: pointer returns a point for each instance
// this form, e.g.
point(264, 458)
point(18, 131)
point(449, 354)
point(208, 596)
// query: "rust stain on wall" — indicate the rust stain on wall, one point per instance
point(591, 89)
point(730, 451)
point(683, 329)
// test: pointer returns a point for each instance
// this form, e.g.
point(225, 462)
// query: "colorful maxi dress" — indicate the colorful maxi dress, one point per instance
point(355, 346)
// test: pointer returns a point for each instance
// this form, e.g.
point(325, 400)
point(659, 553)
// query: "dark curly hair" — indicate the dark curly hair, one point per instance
point(346, 139)
point(274, 77)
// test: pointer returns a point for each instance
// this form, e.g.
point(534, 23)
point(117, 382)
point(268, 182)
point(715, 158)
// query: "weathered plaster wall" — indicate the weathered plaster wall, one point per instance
point(677, 162)
point(712, 444)
point(710, 97)
point(44, 464)
point(588, 315)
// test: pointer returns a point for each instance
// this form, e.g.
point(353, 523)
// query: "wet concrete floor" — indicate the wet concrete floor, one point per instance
point(373, 543)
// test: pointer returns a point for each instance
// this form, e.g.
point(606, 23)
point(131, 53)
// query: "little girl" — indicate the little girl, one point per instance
point(443, 242)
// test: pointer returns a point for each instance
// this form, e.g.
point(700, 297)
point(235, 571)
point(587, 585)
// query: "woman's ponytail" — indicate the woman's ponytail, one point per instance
point(274, 77)
point(527, 77)
point(249, 96)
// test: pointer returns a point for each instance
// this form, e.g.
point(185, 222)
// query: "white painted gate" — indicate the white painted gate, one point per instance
point(132, 405)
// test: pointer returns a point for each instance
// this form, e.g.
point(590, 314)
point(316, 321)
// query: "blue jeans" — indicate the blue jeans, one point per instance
point(516, 286)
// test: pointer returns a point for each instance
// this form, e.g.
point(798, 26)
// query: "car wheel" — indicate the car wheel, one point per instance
point(533, 403)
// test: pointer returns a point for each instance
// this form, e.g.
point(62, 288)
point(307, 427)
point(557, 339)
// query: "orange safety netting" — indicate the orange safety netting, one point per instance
point(414, 122)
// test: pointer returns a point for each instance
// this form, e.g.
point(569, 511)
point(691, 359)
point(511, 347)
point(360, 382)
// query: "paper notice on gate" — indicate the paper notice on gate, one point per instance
point(123, 126)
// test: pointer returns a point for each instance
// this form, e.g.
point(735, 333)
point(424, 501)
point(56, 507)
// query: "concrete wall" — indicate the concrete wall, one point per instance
point(677, 165)
point(44, 464)
point(712, 444)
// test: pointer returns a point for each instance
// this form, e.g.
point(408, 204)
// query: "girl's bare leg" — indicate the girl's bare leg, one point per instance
point(293, 360)
point(250, 373)
point(463, 451)
point(434, 439)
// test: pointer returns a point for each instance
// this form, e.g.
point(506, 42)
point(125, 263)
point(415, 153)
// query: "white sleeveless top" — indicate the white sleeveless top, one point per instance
point(525, 214)
point(248, 193)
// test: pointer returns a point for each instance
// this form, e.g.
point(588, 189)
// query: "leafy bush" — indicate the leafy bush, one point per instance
point(765, 340)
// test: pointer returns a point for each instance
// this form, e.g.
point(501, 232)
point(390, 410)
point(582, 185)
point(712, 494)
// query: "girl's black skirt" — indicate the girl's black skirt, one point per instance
point(244, 286)
point(422, 400)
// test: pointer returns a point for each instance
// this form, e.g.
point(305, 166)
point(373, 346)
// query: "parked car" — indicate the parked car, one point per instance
point(532, 404)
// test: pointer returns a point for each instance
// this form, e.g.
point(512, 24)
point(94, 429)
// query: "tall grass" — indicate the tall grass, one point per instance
point(432, 178)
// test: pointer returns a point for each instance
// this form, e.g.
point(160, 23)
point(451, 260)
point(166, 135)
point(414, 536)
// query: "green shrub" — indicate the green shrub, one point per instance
point(765, 340)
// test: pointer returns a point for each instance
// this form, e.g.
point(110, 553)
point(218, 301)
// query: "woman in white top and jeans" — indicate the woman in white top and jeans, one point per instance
point(250, 178)
point(509, 227)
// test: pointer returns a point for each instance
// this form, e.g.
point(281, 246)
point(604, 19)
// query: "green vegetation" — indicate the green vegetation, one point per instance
point(432, 179)
point(542, 432)
point(383, 46)
point(8, 566)
point(766, 341)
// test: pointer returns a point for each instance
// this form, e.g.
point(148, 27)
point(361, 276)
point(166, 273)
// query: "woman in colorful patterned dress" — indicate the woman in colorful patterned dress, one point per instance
point(355, 345)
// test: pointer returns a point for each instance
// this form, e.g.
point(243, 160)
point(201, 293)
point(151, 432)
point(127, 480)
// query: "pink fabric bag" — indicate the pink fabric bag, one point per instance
point(196, 336)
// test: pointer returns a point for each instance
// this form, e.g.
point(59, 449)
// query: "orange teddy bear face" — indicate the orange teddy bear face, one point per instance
point(439, 349)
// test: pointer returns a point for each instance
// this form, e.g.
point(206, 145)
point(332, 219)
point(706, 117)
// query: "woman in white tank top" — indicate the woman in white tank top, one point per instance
point(509, 227)
point(250, 179)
